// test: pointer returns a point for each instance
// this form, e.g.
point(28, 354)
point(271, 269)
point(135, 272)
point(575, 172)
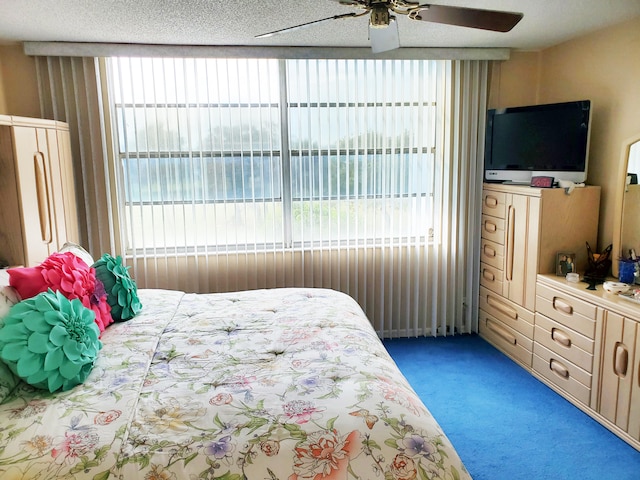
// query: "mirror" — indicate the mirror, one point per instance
point(626, 233)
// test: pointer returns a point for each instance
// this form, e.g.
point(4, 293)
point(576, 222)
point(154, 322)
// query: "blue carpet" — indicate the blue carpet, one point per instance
point(504, 423)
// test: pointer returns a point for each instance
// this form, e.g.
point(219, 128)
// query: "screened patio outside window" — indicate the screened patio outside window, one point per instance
point(220, 155)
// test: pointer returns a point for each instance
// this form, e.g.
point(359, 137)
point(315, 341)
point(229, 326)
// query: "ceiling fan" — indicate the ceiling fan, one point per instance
point(383, 30)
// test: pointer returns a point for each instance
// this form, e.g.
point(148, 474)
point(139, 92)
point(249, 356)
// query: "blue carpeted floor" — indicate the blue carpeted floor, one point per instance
point(504, 423)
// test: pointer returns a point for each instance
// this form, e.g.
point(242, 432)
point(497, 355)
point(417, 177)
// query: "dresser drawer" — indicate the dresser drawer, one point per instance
point(565, 342)
point(508, 312)
point(491, 278)
point(566, 310)
point(494, 204)
point(505, 338)
point(493, 229)
point(562, 373)
point(491, 253)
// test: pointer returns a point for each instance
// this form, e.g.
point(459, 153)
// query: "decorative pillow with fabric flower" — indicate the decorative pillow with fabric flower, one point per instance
point(67, 273)
point(49, 341)
point(122, 292)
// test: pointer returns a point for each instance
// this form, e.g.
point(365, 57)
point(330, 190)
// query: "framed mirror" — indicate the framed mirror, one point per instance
point(626, 225)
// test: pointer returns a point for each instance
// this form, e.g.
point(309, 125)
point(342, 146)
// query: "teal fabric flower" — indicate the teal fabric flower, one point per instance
point(122, 292)
point(49, 341)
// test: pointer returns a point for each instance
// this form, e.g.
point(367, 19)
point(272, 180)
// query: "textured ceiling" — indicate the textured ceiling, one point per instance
point(217, 22)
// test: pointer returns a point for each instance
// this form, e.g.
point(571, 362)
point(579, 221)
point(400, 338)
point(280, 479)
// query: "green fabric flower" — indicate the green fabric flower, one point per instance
point(122, 292)
point(49, 341)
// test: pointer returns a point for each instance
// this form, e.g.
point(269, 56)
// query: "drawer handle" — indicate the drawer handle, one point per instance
point(42, 196)
point(491, 201)
point(501, 307)
point(501, 332)
point(560, 337)
point(510, 242)
point(489, 252)
point(621, 360)
point(562, 306)
point(558, 368)
point(490, 227)
point(488, 275)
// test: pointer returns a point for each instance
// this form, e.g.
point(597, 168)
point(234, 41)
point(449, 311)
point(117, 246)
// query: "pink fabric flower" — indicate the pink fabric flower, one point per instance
point(71, 276)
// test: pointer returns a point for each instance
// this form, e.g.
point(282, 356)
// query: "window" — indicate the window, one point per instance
point(236, 154)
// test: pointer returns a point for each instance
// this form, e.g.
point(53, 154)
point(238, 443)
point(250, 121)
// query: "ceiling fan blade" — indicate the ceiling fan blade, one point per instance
point(308, 24)
point(494, 20)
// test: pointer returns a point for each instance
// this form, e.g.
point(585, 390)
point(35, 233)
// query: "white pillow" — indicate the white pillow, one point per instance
point(8, 295)
point(78, 251)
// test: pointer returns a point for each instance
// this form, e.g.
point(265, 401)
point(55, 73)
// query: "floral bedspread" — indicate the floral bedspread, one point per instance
point(268, 384)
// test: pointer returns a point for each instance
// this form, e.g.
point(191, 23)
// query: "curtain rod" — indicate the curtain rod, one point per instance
point(80, 49)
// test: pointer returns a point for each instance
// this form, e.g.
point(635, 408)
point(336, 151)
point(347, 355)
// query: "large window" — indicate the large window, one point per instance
point(235, 154)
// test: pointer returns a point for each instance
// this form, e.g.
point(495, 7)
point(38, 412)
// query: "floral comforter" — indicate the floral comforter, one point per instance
point(269, 384)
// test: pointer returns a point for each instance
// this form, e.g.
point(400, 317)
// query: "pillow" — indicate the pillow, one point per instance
point(8, 298)
point(8, 382)
point(122, 292)
point(49, 341)
point(67, 273)
point(78, 251)
point(8, 295)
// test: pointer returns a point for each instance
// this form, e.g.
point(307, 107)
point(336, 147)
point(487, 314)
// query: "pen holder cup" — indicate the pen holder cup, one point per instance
point(626, 271)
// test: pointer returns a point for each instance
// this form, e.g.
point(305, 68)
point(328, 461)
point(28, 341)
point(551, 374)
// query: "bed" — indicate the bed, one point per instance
point(286, 383)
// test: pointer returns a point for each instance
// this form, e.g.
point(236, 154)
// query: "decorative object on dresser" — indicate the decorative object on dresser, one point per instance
point(627, 270)
point(37, 189)
point(615, 287)
point(599, 266)
point(565, 263)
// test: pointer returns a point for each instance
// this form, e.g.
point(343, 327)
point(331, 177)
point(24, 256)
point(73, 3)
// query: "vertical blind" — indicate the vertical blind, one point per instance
point(234, 155)
point(356, 175)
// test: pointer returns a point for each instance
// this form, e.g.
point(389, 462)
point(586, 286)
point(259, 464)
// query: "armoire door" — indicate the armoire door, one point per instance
point(39, 184)
point(521, 249)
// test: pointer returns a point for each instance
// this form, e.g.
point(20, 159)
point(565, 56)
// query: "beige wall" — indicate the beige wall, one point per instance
point(18, 85)
point(604, 67)
point(515, 82)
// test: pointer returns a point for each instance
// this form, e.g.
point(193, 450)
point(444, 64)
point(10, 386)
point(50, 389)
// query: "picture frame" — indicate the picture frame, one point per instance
point(565, 263)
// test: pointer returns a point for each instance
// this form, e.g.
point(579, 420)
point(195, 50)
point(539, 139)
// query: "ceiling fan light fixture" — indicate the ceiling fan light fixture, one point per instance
point(379, 17)
point(386, 38)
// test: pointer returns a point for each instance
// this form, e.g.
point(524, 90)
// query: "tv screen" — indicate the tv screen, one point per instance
point(547, 140)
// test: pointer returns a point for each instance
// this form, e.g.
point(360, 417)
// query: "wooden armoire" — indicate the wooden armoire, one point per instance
point(39, 211)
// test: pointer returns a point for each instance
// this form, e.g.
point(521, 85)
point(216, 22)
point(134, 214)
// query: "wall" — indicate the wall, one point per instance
point(515, 82)
point(604, 67)
point(18, 84)
point(3, 102)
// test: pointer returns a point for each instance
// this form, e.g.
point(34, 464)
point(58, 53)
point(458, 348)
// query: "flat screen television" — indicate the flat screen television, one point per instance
point(549, 140)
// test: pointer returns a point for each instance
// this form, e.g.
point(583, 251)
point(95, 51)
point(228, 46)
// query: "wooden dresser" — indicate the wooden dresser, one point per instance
point(523, 228)
point(583, 344)
point(587, 348)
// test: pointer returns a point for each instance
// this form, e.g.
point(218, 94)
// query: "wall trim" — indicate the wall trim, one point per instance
point(79, 49)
